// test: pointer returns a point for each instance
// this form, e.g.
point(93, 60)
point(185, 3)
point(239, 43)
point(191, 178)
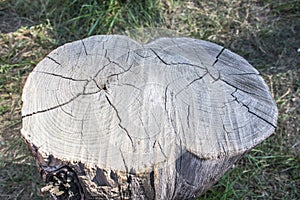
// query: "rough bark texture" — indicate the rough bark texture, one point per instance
point(109, 118)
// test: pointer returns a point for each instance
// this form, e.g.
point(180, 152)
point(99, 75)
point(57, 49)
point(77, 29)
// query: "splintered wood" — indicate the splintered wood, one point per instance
point(109, 118)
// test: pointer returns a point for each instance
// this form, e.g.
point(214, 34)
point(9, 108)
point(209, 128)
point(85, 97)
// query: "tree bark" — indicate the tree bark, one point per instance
point(109, 118)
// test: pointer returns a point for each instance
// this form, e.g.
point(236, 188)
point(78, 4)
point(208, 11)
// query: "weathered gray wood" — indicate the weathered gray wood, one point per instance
point(162, 120)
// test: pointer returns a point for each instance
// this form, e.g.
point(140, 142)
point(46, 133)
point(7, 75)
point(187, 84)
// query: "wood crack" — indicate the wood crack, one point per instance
point(173, 63)
point(120, 66)
point(61, 107)
point(84, 47)
point(162, 60)
point(166, 97)
point(161, 149)
point(124, 162)
point(60, 76)
point(52, 108)
point(190, 83)
point(244, 74)
point(63, 104)
point(188, 116)
point(251, 112)
point(217, 57)
point(238, 88)
point(120, 122)
point(53, 60)
point(117, 74)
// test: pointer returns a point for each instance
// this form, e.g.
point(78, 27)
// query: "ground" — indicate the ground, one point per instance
point(266, 33)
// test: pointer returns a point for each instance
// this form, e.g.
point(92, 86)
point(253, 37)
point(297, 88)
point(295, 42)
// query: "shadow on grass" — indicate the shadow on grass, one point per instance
point(20, 181)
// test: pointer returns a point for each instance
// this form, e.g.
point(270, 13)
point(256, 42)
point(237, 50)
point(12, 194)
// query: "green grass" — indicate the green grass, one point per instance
point(265, 32)
point(76, 19)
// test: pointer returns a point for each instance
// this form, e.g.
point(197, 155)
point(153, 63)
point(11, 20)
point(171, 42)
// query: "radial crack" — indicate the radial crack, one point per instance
point(251, 112)
point(161, 150)
point(244, 74)
point(54, 107)
point(84, 48)
point(60, 76)
point(173, 63)
point(219, 54)
point(166, 97)
point(81, 128)
point(117, 74)
point(124, 162)
point(100, 87)
point(62, 104)
point(63, 109)
point(230, 84)
point(190, 83)
point(53, 60)
point(188, 116)
point(114, 62)
point(159, 57)
point(120, 121)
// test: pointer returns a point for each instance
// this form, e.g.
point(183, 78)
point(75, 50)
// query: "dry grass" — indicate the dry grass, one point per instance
point(265, 32)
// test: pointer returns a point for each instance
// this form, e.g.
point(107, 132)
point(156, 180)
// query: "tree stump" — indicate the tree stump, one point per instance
point(109, 118)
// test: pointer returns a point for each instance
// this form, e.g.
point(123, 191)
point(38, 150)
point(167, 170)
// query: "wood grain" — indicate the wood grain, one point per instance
point(173, 114)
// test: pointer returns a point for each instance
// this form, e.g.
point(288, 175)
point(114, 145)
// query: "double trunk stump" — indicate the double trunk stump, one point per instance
point(109, 118)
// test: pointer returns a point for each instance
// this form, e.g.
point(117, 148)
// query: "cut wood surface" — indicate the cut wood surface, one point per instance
point(124, 120)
